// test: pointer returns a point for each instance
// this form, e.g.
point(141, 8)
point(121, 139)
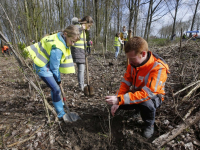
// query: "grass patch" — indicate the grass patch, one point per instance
point(158, 42)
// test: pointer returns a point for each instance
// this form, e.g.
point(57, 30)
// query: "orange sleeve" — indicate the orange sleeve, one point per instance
point(154, 86)
point(126, 81)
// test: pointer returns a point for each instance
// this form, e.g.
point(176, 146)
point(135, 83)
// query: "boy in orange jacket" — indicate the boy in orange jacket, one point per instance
point(147, 74)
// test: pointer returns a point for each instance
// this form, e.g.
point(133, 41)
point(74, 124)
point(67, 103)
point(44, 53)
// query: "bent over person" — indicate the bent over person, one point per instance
point(5, 50)
point(147, 74)
point(51, 57)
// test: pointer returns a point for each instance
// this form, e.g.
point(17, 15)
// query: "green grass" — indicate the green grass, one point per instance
point(158, 42)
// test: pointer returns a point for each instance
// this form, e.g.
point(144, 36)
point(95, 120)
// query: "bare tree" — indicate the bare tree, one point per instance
point(173, 5)
point(136, 7)
point(107, 20)
point(156, 11)
point(194, 16)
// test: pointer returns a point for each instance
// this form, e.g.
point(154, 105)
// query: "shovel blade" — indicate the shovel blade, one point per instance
point(71, 117)
point(74, 116)
point(67, 118)
point(88, 90)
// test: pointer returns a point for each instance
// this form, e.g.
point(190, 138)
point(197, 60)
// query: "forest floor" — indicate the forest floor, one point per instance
point(23, 123)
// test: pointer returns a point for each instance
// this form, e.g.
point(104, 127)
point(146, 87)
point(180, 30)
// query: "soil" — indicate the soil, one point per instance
point(24, 125)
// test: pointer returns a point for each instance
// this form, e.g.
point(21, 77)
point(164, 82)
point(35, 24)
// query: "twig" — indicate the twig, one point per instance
point(191, 91)
point(98, 62)
point(165, 138)
point(188, 114)
point(31, 137)
point(59, 142)
point(191, 84)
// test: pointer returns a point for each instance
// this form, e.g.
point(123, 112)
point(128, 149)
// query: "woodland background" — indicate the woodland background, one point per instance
point(28, 119)
point(32, 19)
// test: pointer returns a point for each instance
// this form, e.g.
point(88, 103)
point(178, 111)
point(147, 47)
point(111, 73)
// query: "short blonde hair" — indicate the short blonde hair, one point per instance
point(72, 31)
point(136, 44)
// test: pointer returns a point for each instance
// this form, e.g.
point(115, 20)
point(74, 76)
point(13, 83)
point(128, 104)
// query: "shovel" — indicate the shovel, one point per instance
point(71, 116)
point(88, 89)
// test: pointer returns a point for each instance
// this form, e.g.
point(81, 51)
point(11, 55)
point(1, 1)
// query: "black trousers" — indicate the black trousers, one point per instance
point(147, 109)
point(89, 49)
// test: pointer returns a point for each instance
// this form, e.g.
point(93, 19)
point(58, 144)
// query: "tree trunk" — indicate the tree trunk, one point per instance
point(96, 18)
point(174, 24)
point(149, 25)
point(130, 7)
point(27, 18)
point(147, 21)
point(83, 7)
point(193, 19)
point(136, 7)
point(61, 15)
point(118, 15)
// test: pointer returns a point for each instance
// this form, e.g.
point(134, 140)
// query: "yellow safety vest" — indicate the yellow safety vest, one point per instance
point(40, 53)
point(116, 43)
point(80, 43)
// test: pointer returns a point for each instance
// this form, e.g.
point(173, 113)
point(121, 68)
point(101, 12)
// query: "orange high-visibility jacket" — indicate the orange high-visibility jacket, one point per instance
point(4, 48)
point(147, 81)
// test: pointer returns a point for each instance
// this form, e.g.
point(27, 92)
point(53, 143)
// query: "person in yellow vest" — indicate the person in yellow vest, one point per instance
point(124, 37)
point(52, 56)
point(79, 48)
point(117, 43)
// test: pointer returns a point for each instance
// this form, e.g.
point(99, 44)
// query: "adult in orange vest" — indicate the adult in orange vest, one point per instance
point(5, 49)
point(147, 74)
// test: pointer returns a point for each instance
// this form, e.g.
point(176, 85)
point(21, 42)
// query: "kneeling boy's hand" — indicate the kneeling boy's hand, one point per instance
point(113, 109)
point(112, 100)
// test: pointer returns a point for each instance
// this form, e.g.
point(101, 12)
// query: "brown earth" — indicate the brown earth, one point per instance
point(23, 123)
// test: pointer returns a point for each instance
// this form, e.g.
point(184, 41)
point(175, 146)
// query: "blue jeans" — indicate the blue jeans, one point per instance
point(55, 89)
point(116, 51)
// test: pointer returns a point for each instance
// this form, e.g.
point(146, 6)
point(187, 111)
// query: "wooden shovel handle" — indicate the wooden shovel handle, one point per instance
point(86, 61)
point(64, 98)
point(62, 91)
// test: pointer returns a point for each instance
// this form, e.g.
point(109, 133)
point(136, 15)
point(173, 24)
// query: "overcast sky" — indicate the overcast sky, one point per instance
point(185, 13)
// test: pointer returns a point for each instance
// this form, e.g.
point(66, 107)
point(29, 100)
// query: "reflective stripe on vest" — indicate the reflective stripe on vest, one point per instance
point(145, 88)
point(116, 43)
point(40, 53)
point(80, 43)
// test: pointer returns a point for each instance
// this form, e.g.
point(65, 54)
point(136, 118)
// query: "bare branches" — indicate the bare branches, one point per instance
point(165, 138)
point(191, 84)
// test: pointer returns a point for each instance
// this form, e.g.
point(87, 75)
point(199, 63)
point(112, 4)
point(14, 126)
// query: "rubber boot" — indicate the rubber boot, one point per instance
point(59, 108)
